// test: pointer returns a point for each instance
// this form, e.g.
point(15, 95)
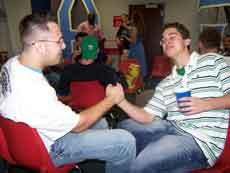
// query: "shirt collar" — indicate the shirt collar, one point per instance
point(188, 67)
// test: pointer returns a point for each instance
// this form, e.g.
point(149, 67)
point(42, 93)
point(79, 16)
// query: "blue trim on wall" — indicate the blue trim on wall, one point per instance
point(65, 23)
point(91, 8)
point(214, 3)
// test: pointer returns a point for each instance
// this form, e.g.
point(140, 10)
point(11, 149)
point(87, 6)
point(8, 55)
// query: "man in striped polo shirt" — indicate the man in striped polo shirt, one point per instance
point(179, 140)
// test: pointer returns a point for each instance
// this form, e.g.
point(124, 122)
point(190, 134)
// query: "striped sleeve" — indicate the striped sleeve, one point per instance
point(156, 105)
point(223, 75)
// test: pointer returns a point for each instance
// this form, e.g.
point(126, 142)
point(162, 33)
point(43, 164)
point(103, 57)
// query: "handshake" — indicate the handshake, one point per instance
point(115, 93)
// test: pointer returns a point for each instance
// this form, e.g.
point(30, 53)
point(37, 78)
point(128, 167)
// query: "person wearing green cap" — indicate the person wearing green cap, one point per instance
point(182, 136)
point(86, 69)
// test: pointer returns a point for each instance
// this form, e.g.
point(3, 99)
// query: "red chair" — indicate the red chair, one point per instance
point(85, 94)
point(161, 66)
point(223, 162)
point(124, 69)
point(4, 151)
point(27, 149)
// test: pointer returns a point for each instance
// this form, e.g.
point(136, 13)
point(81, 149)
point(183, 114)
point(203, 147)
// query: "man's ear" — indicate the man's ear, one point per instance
point(40, 48)
point(188, 41)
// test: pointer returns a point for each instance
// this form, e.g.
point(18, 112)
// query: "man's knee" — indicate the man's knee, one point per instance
point(127, 139)
point(126, 143)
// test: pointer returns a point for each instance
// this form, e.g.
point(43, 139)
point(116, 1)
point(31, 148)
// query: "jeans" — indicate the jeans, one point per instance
point(161, 148)
point(117, 147)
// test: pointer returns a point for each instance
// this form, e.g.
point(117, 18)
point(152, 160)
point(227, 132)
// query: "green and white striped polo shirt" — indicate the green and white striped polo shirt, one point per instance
point(206, 76)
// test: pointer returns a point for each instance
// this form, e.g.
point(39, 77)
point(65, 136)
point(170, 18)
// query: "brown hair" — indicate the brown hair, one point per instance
point(210, 38)
point(32, 23)
point(179, 27)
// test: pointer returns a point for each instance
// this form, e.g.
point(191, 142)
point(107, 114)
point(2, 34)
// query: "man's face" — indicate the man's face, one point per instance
point(173, 44)
point(54, 45)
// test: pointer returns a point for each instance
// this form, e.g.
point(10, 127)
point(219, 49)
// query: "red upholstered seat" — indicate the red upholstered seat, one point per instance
point(4, 151)
point(85, 93)
point(27, 149)
point(223, 162)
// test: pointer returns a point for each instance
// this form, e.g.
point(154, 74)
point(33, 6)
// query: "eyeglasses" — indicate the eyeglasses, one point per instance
point(172, 37)
point(60, 41)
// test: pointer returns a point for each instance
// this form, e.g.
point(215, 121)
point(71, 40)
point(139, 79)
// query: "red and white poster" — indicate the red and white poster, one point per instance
point(117, 21)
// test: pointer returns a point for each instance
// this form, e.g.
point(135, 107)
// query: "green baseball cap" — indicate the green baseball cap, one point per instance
point(89, 47)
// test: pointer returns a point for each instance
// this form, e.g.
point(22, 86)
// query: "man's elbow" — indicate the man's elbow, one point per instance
point(82, 125)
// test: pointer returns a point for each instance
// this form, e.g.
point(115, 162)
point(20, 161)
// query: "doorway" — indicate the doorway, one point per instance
point(153, 15)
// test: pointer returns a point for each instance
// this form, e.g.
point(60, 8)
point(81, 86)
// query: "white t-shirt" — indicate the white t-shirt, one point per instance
point(26, 96)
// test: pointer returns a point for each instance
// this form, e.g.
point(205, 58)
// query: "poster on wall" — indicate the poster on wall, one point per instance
point(213, 3)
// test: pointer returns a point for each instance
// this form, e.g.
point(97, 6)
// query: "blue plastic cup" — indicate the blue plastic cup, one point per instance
point(180, 93)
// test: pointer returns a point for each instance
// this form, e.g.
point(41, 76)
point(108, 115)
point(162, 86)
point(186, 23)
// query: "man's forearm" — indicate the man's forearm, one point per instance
point(136, 113)
point(218, 103)
point(92, 114)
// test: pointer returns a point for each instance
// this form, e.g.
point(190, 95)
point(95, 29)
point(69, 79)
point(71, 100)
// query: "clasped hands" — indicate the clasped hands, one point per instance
point(115, 92)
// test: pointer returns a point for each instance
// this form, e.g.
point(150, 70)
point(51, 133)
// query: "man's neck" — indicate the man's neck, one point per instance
point(30, 60)
point(182, 59)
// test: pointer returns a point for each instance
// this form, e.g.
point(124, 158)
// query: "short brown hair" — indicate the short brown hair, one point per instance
point(179, 27)
point(32, 22)
point(210, 38)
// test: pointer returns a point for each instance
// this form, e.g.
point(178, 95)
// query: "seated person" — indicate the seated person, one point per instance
point(182, 136)
point(101, 56)
point(86, 69)
point(26, 96)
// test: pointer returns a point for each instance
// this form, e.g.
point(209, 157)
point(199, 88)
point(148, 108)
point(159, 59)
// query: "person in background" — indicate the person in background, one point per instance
point(86, 69)
point(123, 33)
point(26, 96)
point(136, 49)
point(226, 40)
point(209, 41)
point(91, 28)
point(226, 43)
point(190, 134)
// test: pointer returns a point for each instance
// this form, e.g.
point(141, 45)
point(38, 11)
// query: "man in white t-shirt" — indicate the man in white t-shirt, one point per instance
point(26, 96)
